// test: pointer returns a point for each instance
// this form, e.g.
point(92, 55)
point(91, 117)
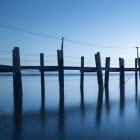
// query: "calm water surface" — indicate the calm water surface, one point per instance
point(80, 120)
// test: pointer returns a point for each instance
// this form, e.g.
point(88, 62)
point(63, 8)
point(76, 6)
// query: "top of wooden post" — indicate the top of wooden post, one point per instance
point(62, 44)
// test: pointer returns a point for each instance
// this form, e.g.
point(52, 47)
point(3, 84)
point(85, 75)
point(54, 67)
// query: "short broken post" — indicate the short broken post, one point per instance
point(17, 82)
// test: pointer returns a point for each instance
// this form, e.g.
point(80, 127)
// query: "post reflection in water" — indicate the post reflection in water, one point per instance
point(61, 116)
point(99, 106)
point(107, 101)
point(122, 99)
point(42, 112)
point(139, 104)
point(17, 124)
point(82, 103)
point(136, 94)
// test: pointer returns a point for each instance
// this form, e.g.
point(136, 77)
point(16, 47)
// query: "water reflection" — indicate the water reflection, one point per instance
point(99, 106)
point(61, 116)
point(136, 94)
point(107, 102)
point(122, 99)
point(17, 125)
point(42, 112)
point(82, 103)
point(17, 114)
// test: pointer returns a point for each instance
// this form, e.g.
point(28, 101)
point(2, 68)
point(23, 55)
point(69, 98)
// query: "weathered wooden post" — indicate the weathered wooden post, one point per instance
point(99, 71)
point(136, 75)
point(121, 63)
point(122, 85)
point(17, 82)
point(61, 75)
point(82, 79)
point(136, 81)
point(107, 66)
point(60, 58)
point(100, 86)
point(42, 82)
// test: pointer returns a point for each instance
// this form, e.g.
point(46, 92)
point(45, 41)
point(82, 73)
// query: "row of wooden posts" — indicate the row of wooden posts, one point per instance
point(17, 79)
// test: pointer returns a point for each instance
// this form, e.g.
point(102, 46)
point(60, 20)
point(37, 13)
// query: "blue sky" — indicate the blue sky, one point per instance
point(114, 23)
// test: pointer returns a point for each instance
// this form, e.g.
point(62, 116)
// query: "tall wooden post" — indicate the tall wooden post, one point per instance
point(61, 75)
point(99, 71)
point(122, 85)
point(82, 79)
point(136, 81)
point(100, 86)
point(42, 82)
point(17, 82)
point(62, 44)
point(136, 76)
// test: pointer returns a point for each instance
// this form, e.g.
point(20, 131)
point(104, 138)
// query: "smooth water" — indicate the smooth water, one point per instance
point(80, 120)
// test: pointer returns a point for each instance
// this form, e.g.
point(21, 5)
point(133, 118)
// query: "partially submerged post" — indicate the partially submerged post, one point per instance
point(42, 82)
point(61, 75)
point(82, 79)
point(100, 86)
point(107, 66)
point(60, 58)
point(121, 63)
point(122, 84)
point(136, 81)
point(17, 82)
point(99, 71)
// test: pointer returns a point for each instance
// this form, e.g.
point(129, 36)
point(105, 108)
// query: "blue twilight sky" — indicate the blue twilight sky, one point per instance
point(103, 23)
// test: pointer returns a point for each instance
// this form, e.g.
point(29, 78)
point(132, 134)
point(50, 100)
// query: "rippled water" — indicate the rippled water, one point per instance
point(88, 119)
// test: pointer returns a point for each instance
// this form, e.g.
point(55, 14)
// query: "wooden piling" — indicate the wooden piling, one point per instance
point(121, 63)
point(136, 81)
point(99, 71)
point(82, 78)
point(122, 85)
point(42, 81)
point(61, 75)
point(107, 66)
point(136, 75)
point(17, 82)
